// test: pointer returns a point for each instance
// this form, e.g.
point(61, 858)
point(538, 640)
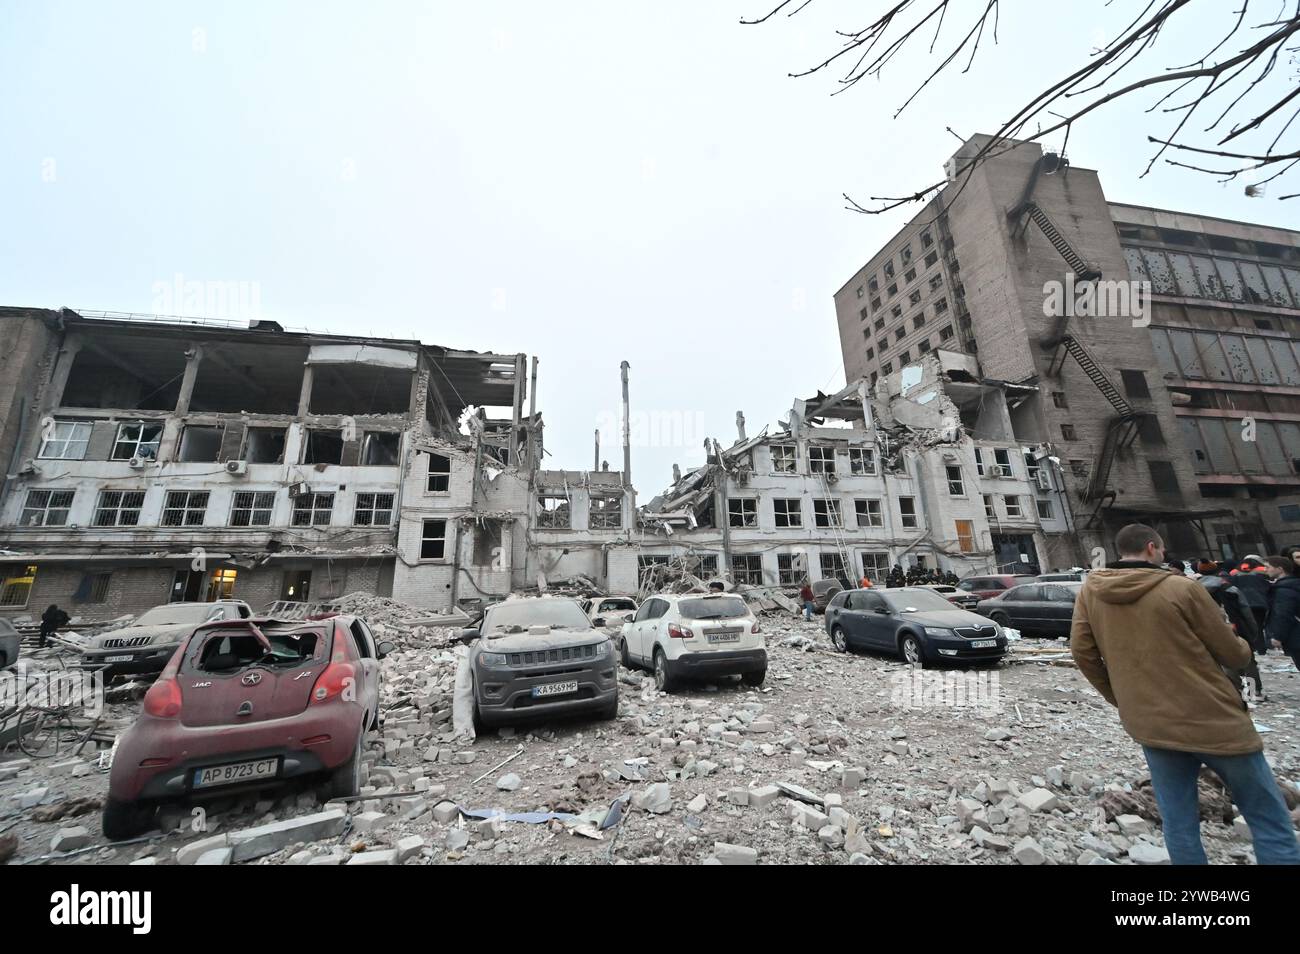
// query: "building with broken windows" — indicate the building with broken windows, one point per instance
point(857, 481)
point(152, 461)
point(1138, 412)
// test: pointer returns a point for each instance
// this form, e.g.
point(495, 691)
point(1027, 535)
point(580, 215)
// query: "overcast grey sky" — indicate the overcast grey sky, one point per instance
point(584, 181)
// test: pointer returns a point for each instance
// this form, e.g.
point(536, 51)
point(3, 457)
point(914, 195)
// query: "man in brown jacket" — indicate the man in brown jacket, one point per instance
point(1154, 644)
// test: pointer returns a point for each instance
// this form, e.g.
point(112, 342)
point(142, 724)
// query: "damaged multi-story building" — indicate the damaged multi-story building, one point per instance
point(1135, 397)
point(920, 470)
point(155, 460)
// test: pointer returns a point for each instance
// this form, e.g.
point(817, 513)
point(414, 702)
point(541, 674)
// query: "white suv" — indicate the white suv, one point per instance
point(683, 635)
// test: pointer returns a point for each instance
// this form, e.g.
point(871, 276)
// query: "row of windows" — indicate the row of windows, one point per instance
point(1220, 356)
point(604, 512)
point(189, 508)
point(1242, 446)
point(1215, 277)
point(792, 569)
point(201, 443)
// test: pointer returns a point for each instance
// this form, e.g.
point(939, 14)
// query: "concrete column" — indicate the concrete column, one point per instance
point(59, 379)
point(304, 396)
point(193, 358)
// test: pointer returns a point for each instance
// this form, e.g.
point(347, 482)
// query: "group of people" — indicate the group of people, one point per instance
point(919, 576)
point(1163, 649)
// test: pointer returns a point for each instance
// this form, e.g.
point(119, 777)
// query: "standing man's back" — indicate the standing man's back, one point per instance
point(1155, 645)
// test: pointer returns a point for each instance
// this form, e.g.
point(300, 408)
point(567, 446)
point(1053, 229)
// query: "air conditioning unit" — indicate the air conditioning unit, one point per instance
point(831, 477)
point(237, 467)
point(997, 470)
point(1043, 480)
point(137, 463)
point(297, 490)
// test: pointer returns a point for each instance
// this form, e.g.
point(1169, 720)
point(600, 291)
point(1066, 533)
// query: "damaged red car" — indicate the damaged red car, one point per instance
point(244, 704)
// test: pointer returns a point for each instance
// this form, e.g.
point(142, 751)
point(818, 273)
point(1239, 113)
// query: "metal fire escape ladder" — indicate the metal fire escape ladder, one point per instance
point(837, 530)
point(1082, 270)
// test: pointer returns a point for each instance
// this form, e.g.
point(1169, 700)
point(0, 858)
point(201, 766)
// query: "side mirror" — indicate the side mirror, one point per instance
point(384, 649)
point(882, 611)
point(598, 622)
point(468, 634)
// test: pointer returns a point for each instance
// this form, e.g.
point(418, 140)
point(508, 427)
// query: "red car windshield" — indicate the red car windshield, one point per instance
point(229, 649)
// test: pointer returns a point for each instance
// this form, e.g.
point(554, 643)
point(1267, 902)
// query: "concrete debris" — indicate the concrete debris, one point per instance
point(657, 799)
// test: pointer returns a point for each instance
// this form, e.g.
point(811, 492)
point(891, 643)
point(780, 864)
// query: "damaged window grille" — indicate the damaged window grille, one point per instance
point(185, 508)
point(322, 446)
point(1032, 468)
point(875, 565)
point(439, 480)
point(433, 540)
point(821, 460)
point(955, 486)
point(605, 512)
point(67, 442)
point(264, 445)
point(907, 511)
point(1012, 503)
point(313, 510)
point(137, 440)
point(742, 511)
point(790, 569)
point(989, 512)
point(826, 513)
point(16, 586)
point(46, 508)
point(93, 588)
point(869, 513)
point(747, 569)
point(787, 512)
point(553, 513)
point(965, 536)
point(708, 566)
point(1044, 509)
point(119, 508)
point(380, 449)
point(252, 508)
point(200, 443)
point(373, 510)
point(833, 568)
point(783, 459)
point(862, 460)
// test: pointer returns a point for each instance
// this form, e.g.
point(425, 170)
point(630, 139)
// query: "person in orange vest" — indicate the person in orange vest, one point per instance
point(864, 583)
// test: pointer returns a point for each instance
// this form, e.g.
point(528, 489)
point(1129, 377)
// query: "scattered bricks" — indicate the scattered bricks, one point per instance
point(697, 804)
point(997, 735)
point(386, 857)
point(839, 817)
point(656, 799)
point(989, 840)
point(809, 817)
point(1239, 829)
point(832, 801)
point(831, 836)
point(1056, 776)
point(1039, 800)
point(422, 784)
point(734, 854)
point(981, 793)
point(457, 838)
point(444, 813)
point(65, 768)
point(1130, 826)
point(510, 783)
point(190, 853)
point(299, 858)
point(11, 768)
point(217, 856)
point(408, 846)
point(897, 733)
point(738, 796)
point(485, 828)
point(1145, 853)
point(70, 839)
point(32, 797)
point(370, 821)
point(704, 767)
point(761, 725)
point(853, 777)
point(764, 796)
point(463, 758)
point(1088, 858)
point(444, 756)
point(1028, 852)
point(265, 839)
point(431, 754)
point(731, 736)
point(966, 809)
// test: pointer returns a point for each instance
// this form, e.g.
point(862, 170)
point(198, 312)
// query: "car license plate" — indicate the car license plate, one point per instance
point(554, 689)
point(722, 635)
point(126, 658)
point(983, 643)
point(236, 772)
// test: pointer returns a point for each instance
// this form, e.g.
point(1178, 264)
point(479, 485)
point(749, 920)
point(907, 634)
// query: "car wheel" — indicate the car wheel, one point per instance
point(123, 820)
point(910, 647)
point(609, 712)
point(838, 638)
point(1000, 618)
point(623, 656)
point(664, 681)
point(754, 678)
point(345, 781)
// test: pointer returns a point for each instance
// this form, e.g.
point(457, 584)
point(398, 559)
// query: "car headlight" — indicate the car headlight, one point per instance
point(938, 631)
point(604, 648)
point(494, 660)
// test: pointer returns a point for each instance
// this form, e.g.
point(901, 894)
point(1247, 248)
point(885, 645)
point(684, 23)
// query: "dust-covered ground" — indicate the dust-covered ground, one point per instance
point(836, 759)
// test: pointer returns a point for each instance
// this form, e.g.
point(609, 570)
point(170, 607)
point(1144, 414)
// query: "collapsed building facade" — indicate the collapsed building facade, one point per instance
point(151, 461)
point(919, 469)
point(1142, 406)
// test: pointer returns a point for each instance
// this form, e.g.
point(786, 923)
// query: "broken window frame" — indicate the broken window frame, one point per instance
point(17, 583)
point(1002, 458)
point(787, 512)
point(371, 441)
point(907, 513)
point(258, 502)
point(862, 461)
point(314, 509)
point(188, 453)
point(833, 567)
point(785, 459)
point(742, 511)
point(966, 539)
point(956, 486)
point(118, 508)
point(821, 459)
point(437, 481)
point(307, 447)
point(46, 508)
point(1011, 503)
point(946, 333)
point(432, 540)
point(791, 569)
point(66, 437)
point(869, 516)
point(185, 508)
point(878, 569)
point(1044, 509)
point(990, 512)
point(605, 512)
point(371, 505)
point(940, 305)
point(249, 434)
point(557, 517)
point(127, 446)
point(827, 512)
point(747, 569)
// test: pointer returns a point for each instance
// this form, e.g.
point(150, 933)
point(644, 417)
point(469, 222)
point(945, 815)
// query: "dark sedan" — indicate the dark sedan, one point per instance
point(915, 622)
point(1036, 609)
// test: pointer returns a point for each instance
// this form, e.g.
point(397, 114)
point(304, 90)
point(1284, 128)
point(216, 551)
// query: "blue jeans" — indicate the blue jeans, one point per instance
point(1249, 780)
point(808, 609)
